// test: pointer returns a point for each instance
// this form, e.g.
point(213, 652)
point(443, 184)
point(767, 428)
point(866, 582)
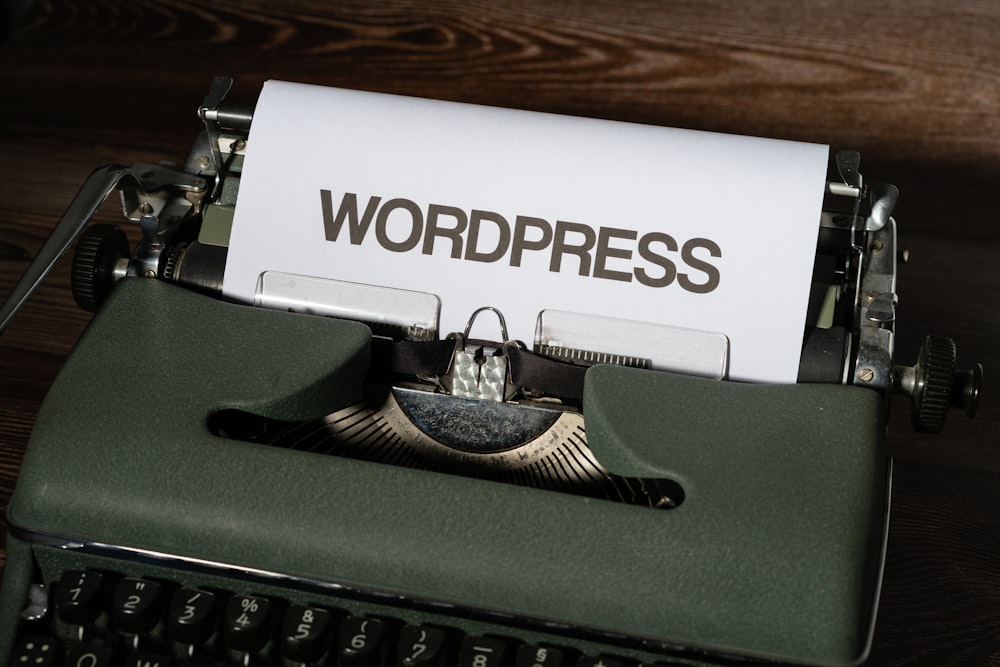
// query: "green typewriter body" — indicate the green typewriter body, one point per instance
point(180, 503)
point(773, 554)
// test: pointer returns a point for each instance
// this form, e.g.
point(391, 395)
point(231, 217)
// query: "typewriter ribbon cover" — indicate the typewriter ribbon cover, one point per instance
point(530, 212)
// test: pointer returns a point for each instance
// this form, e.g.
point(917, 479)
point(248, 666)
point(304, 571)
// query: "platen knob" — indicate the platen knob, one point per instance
point(93, 273)
point(935, 370)
point(934, 385)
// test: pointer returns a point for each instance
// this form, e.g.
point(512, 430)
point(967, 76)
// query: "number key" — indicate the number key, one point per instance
point(247, 622)
point(136, 605)
point(80, 596)
point(482, 652)
point(305, 633)
point(362, 642)
point(421, 647)
point(191, 615)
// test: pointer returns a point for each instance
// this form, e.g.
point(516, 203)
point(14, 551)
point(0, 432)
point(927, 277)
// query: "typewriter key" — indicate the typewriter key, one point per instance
point(191, 615)
point(421, 647)
point(136, 605)
point(36, 651)
point(144, 659)
point(362, 642)
point(539, 656)
point(598, 661)
point(247, 622)
point(306, 633)
point(483, 652)
point(88, 655)
point(80, 596)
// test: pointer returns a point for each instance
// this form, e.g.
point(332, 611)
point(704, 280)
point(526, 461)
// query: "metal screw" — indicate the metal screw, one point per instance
point(238, 145)
point(204, 161)
point(876, 245)
point(145, 208)
point(866, 374)
point(199, 182)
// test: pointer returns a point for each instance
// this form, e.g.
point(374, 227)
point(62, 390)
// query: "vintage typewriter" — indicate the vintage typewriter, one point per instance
point(210, 483)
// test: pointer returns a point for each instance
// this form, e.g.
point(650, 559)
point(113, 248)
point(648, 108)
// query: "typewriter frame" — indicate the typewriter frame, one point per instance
point(806, 461)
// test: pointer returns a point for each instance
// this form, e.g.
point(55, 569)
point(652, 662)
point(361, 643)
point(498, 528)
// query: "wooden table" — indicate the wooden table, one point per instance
point(914, 86)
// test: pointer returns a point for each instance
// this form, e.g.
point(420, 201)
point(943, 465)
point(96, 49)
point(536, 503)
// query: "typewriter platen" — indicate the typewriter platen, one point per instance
point(321, 491)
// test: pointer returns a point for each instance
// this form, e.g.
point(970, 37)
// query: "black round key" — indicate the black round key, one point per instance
point(80, 596)
point(305, 633)
point(483, 652)
point(136, 606)
point(191, 615)
point(421, 647)
point(36, 651)
point(247, 622)
point(362, 642)
point(145, 659)
point(88, 655)
point(598, 661)
point(539, 656)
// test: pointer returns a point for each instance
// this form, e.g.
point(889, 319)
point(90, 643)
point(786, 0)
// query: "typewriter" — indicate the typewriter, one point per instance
point(212, 483)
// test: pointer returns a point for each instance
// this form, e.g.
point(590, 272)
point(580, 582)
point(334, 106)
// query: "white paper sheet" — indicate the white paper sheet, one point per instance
point(526, 211)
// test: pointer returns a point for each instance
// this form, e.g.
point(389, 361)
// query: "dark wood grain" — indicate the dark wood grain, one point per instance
point(915, 86)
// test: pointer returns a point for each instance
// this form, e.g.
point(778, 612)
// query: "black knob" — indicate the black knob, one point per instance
point(934, 385)
point(965, 390)
point(93, 272)
point(935, 370)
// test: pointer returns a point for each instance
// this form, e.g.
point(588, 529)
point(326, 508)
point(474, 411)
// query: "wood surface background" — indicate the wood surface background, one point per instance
point(914, 86)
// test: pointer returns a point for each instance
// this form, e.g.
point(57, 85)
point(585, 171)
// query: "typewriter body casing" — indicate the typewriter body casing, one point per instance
point(775, 553)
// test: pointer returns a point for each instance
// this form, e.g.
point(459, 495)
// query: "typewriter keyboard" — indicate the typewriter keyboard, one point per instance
point(96, 616)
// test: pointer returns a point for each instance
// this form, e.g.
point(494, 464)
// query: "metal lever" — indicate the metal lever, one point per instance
point(216, 109)
point(218, 114)
point(149, 178)
point(848, 163)
point(884, 198)
point(208, 112)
